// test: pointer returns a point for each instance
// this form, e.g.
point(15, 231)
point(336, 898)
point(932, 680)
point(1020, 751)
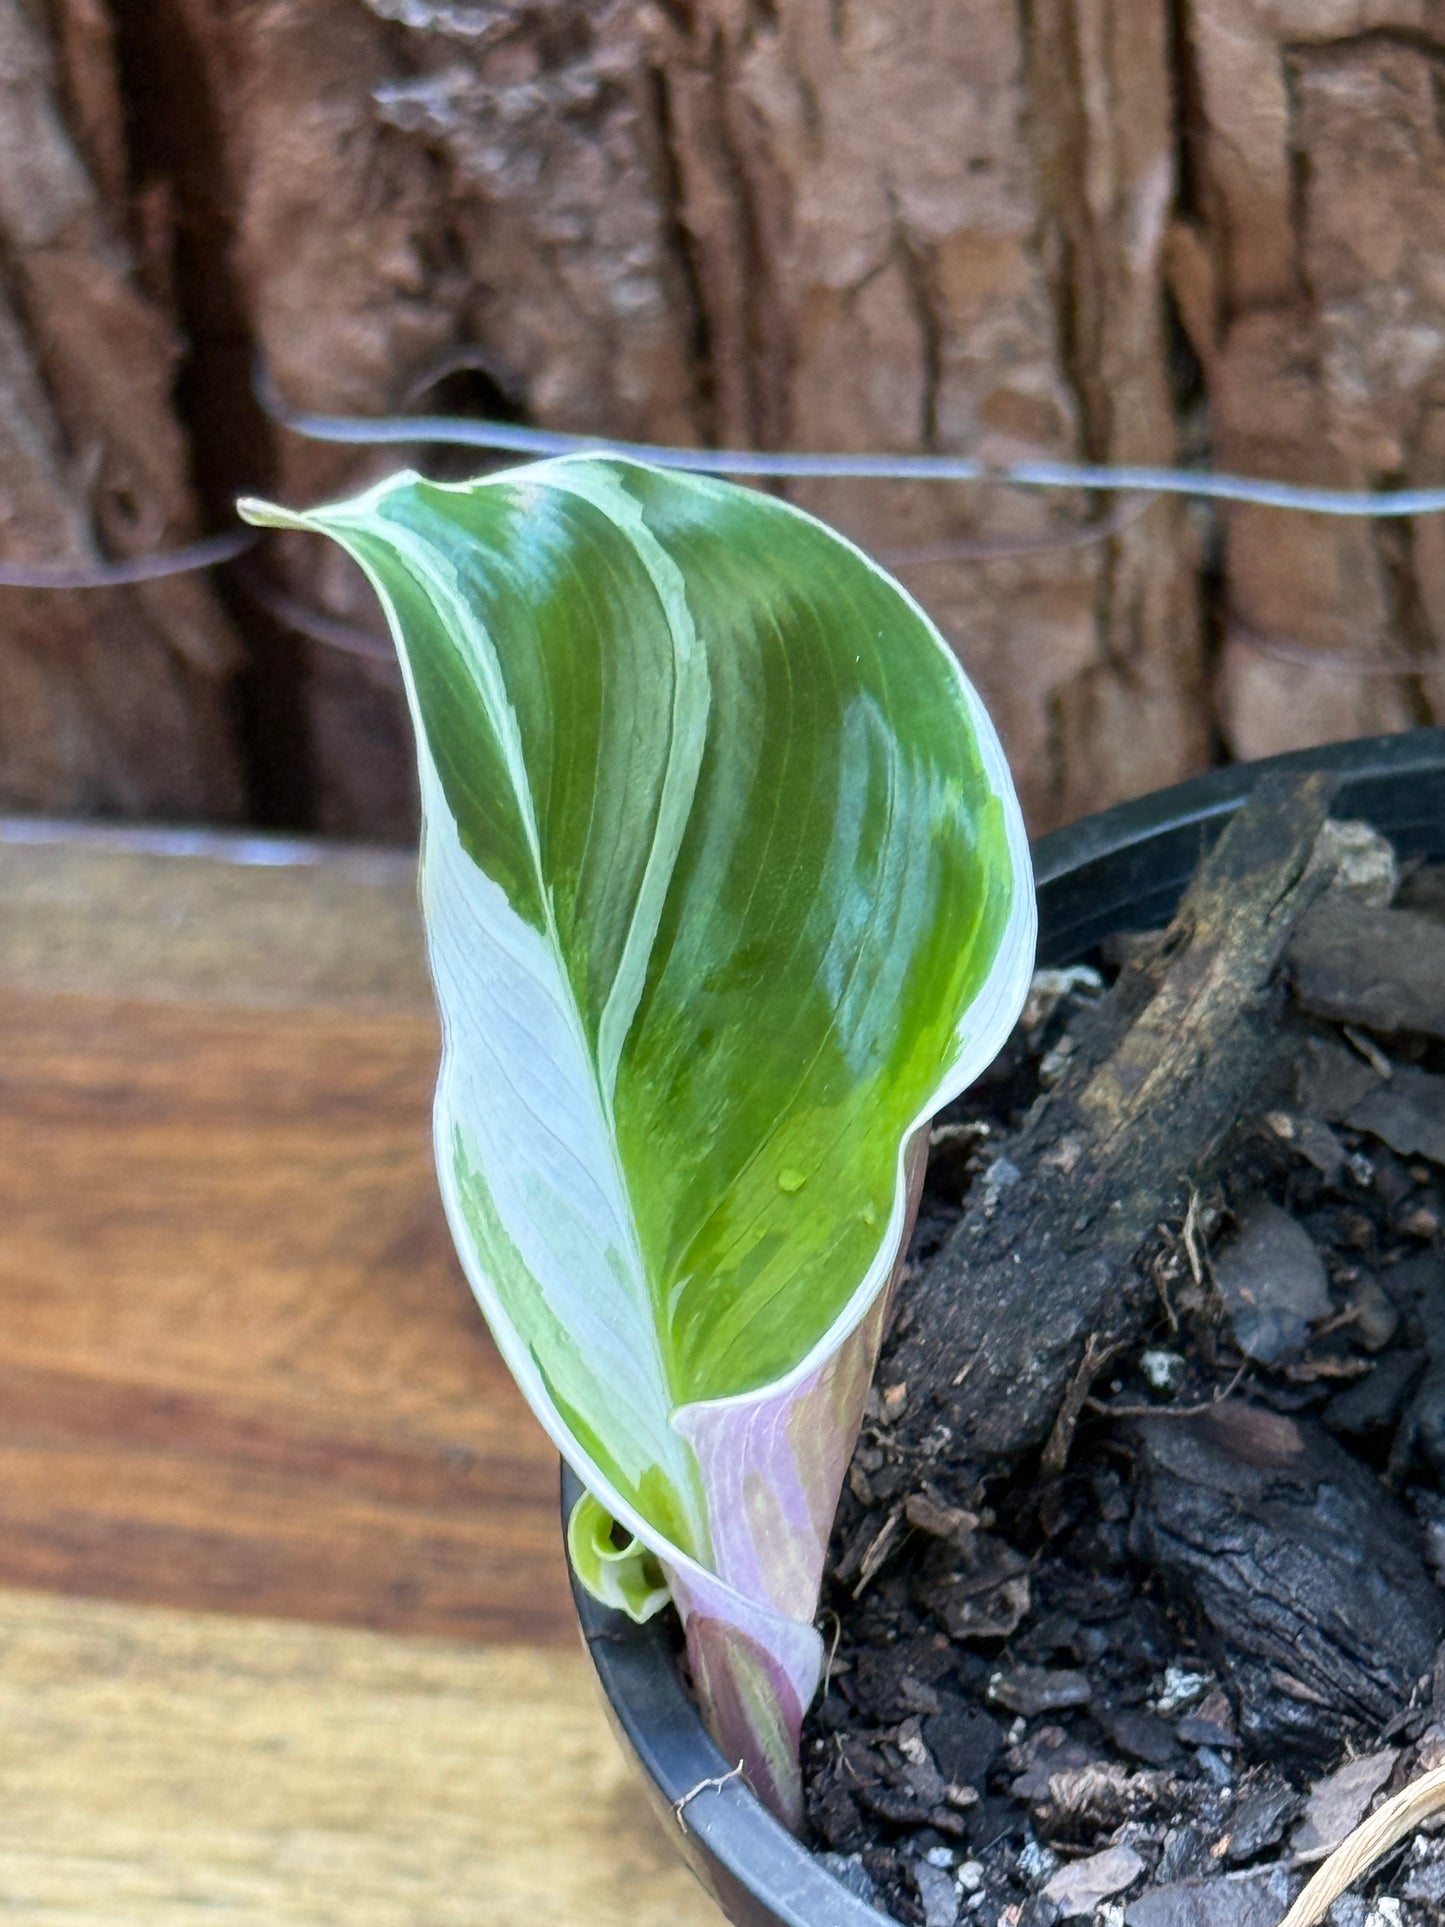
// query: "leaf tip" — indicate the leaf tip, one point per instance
point(270, 515)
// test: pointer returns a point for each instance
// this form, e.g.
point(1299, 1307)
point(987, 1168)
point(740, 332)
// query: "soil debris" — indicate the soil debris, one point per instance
point(1035, 1689)
point(1145, 1678)
point(1260, 1820)
point(937, 1892)
point(1339, 1802)
point(1079, 1887)
point(1308, 1577)
point(984, 1595)
point(1258, 1900)
point(1359, 964)
point(1273, 1283)
point(1408, 1113)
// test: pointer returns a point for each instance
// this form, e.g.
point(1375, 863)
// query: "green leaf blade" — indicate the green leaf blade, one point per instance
point(726, 890)
point(840, 896)
point(598, 712)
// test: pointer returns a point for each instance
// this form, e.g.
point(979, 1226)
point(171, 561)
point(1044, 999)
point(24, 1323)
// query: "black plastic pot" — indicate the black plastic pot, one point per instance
point(1123, 869)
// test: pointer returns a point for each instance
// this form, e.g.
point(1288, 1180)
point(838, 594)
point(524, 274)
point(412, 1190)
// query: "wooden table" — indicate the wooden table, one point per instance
point(284, 1632)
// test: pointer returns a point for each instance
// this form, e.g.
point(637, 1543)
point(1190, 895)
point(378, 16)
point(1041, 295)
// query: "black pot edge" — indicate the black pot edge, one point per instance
point(1138, 856)
point(758, 1872)
point(734, 1846)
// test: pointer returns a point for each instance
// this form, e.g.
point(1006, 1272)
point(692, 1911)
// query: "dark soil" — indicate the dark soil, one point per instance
point(1153, 1687)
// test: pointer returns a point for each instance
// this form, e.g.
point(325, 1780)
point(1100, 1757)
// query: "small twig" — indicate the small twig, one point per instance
point(1193, 1249)
point(828, 1613)
point(878, 1551)
point(1156, 1273)
point(714, 1784)
point(1368, 1844)
point(1370, 1051)
point(1169, 1411)
point(1097, 1354)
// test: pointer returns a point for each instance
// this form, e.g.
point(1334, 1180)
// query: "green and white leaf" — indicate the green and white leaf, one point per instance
point(726, 891)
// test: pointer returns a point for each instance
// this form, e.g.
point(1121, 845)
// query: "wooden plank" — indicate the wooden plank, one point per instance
point(238, 1365)
point(160, 1767)
point(199, 917)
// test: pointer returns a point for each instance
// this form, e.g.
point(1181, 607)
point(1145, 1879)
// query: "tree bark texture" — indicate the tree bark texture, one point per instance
point(1126, 230)
point(110, 700)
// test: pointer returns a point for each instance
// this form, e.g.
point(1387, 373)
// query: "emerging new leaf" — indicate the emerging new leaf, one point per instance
point(726, 891)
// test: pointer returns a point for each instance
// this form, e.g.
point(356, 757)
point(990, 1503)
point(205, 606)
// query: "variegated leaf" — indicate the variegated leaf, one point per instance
point(726, 891)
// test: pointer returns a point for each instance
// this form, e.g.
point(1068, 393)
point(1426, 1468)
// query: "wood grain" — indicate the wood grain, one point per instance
point(238, 1366)
point(157, 1768)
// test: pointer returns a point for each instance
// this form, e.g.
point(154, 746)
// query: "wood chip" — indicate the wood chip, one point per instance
point(1339, 1802)
point(1078, 1888)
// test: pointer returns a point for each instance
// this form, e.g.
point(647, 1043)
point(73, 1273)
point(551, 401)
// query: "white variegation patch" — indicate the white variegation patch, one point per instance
point(518, 1107)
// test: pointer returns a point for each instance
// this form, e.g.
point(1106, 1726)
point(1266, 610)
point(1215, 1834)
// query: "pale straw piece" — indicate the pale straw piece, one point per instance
point(1369, 1842)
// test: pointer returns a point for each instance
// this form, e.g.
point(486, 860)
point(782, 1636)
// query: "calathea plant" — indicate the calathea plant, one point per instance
point(726, 891)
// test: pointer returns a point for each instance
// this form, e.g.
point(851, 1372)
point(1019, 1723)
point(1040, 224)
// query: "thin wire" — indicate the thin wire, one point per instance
point(139, 568)
point(1290, 649)
point(516, 439)
point(988, 549)
point(317, 624)
point(225, 548)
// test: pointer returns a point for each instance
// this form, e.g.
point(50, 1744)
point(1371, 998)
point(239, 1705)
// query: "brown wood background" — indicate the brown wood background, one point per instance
point(284, 1628)
point(1133, 230)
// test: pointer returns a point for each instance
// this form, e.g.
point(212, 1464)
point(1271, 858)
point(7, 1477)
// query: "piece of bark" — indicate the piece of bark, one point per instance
point(1408, 1113)
point(1079, 1887)
point(1272, 1279)
point(997, 1322)
point(1340, 1801)
point(115, 699)
point(1381, 968)
point(1306, 1576)
point(1221, 1900)
point(1369, 1408)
